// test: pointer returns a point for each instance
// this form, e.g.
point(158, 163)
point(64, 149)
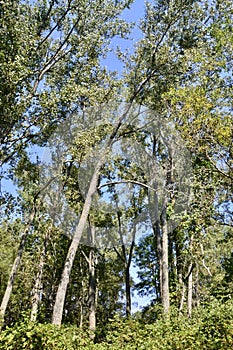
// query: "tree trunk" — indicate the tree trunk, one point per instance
point(190, 293)
point(197, 295)
point(92, 284)
point(92, 292)
point(181, 287)
point(165, 271)
point(81, 316)
point(37, 290)
point(164, 229)
point(157, 231)
point(154, 215)
point(128, 288)
point(190, 282)
point(14, 270)
point(81, 303)
point(62, 288)
point(182, 296)
point(127, 263)
point(127, 282)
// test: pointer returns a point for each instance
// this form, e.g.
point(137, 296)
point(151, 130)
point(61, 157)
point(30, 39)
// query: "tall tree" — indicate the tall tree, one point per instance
point(50, 58)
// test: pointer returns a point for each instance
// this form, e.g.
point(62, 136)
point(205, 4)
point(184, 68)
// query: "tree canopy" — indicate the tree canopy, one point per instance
point(106, 173)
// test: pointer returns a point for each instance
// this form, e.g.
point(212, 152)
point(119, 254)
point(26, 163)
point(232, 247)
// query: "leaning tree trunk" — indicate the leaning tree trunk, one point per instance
point(14, 270)
point(62, 288)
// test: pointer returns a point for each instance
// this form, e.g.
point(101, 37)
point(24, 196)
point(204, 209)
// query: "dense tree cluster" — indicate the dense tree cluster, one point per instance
point(140, 173)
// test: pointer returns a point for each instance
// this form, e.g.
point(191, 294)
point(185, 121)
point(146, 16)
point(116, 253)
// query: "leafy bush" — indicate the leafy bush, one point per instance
point(210, 328)
point(43, 336)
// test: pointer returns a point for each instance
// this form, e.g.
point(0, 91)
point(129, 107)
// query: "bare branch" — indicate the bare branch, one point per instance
point(203, 260)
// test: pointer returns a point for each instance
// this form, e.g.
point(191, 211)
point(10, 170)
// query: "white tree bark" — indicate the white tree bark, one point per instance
point(165, 271)
point(190, 294)
point(62, 288)
point(92, 284)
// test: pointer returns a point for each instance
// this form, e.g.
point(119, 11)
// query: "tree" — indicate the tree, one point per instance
point(48, 70)
point(53, 84)
point(193, 57)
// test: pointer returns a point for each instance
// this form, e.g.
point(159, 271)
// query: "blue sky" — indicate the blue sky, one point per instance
point(134, 14)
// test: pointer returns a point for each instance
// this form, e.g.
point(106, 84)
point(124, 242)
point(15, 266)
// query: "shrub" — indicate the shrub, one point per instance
point(210, 328)
point(43, 336)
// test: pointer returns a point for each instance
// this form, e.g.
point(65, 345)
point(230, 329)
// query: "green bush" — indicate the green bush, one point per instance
point(210, 328)
point(43, 336)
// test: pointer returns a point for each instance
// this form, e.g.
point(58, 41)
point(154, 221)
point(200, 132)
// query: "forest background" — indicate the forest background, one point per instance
point(138, 172)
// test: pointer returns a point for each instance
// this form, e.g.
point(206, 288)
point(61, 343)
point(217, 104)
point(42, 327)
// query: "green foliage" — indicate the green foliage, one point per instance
point(147, 262)
point(210, 328)
point(50, 67)
point(8, 246)
point(43, 336)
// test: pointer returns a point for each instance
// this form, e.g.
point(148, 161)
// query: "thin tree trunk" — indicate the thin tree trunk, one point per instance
point(127, 278)
point(154, 214)
point(197, 295)
point(14, 270)
point(37, 290)
point(127, 264)
point(159, 255)
point(92, 292)
point(164, 228)
point(127, 285)
point(92, 284)
point(164, 254)
point(190, 293)
point(127, 292)
point(157, 236)
point(81, 304)
point(81, 316)
point(182, 296)
point(190, 282)
point(181, 287)
point(165, 271)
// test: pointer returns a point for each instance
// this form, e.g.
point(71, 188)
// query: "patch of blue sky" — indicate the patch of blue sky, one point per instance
point(132, 15)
